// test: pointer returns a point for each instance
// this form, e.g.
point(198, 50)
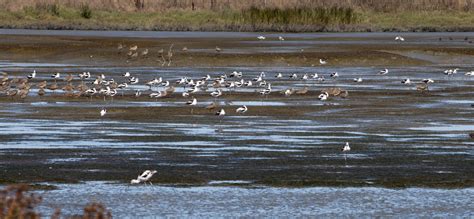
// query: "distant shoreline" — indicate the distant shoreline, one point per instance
point(337, 29)
point(250, 20)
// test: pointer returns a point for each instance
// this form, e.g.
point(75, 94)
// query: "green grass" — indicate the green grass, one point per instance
point(43, 16)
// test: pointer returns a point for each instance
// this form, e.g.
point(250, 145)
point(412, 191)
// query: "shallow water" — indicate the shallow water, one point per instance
point(211, 201)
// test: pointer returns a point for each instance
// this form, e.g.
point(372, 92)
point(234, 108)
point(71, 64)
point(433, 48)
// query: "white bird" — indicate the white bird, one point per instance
point(334, 75)
point(281, 38)
point(165, 84)
point(134, 48)
point(288, 92)
point(322, 62)
point(103, 112)
point(192, 102)
point(144, 177)
point(122, 85)
point(216, 93)
point(32, 75)
point(305, 77)
point(383, 72)
point(406, 81)
point(133, 80)
point(206, 78)
point(323, 96)
point(399, 38)
point(235, 74)
point(314, 76)
point(91, 92)
point(346, 147)
point(451, 71)
point(258, 78)
point(241, 109)
point(426, 81)
point(126, 74)
point(138, 93)
point(56, 75)
point(159, 94)
point(469, 73)
point(261, 38)
point(321, 79)
point(294, 76)
point(357, 80)
point(239, 83)
point(85, 75)
point(221, 112)
point(279, 75)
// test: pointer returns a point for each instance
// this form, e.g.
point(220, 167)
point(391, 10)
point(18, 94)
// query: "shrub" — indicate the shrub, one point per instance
point(86, 11)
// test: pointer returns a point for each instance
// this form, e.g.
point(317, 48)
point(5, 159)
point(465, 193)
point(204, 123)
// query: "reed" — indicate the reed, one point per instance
point(244, 15)
point(298, 16)
point(163, 5)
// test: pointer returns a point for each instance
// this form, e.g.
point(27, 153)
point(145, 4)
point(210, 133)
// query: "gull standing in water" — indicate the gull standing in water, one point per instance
point(192, 102)
point(103, 112)
point(344, 149)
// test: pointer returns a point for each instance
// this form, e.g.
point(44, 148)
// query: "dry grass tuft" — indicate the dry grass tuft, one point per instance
point(16, 201)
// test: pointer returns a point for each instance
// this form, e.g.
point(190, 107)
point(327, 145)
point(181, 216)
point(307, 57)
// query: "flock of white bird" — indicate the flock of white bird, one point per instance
point(101, 85)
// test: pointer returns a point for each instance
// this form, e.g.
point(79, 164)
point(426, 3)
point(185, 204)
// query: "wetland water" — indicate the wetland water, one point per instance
point(400, 137)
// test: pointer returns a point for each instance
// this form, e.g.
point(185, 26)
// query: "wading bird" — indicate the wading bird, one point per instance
point(383, 72)
point(103, 112)
point(144, 177)
point(243, 109)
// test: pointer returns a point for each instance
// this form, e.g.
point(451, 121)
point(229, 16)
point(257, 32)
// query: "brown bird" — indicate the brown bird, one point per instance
point(170, 90)
point(53, 87)
point(422, 87)
point(302, 91)
point(344, 94)
point(41, 85)
point(12, 93)
point(134, 48)
point(212, 106)
point(41, 92)
point(69, 78)
point(145, 52)
point(68, 88)
point(120, 47)
point(23, 93)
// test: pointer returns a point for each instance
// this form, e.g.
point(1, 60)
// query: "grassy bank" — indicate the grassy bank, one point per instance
point(301, 19)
